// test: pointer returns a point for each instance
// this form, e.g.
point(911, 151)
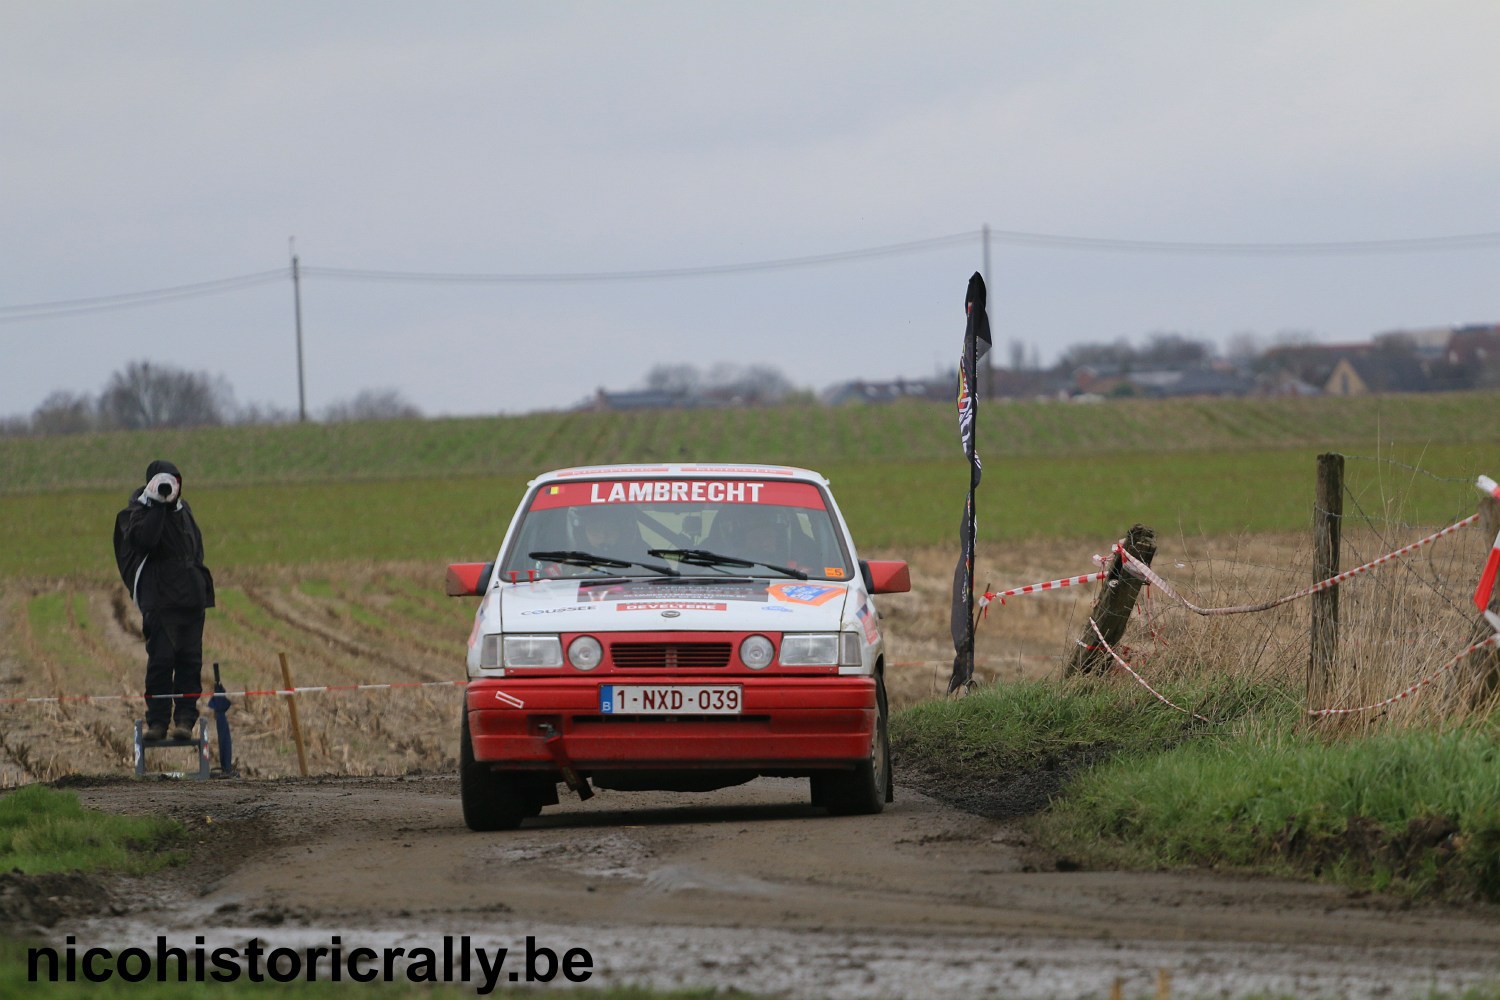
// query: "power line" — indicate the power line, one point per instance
point(1468, 241)
point(784, 263)
point(127, 300)
point(1423, 244)
point(103, 303)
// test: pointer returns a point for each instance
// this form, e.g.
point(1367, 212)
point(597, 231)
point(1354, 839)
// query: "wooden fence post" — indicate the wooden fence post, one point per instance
point(1113, 605)
point(1328, 516)
point(291, 704)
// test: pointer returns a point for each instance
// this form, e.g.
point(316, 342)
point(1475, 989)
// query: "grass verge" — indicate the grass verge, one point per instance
point(1041, 724)
point(1413, 811)
point(1141, 786)
point(43, 830)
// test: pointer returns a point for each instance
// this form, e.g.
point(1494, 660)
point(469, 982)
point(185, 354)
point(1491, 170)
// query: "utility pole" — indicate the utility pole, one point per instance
point(989, 357)
point(297, 306)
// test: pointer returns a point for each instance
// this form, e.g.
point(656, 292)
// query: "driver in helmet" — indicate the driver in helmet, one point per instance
point(605, 531)
point(751, 533)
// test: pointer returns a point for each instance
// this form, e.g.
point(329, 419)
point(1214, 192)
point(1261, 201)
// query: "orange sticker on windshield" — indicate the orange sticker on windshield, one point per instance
point(837, 572)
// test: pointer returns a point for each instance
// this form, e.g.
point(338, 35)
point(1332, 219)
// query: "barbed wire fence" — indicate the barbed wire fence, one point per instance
point(1406, 622)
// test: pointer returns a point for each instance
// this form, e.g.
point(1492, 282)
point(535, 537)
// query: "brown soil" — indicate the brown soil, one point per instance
point(747, 888)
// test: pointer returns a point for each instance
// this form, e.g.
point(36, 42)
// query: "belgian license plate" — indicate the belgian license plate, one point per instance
point(670, 699)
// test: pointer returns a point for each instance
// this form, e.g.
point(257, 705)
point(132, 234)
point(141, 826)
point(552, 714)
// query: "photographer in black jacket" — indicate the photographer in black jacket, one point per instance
point(159, 550)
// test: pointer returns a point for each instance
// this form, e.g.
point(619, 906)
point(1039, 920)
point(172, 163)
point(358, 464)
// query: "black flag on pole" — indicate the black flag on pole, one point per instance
point(976, 345)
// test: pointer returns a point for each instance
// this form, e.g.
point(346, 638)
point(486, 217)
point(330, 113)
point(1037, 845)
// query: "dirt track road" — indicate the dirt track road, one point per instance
point(753, 889)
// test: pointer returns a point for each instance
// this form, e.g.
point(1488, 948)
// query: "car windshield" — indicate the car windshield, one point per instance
point(609, 527)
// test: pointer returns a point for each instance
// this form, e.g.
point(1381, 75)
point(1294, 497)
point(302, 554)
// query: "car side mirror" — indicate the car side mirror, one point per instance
point(885, 576)
point(468, 579)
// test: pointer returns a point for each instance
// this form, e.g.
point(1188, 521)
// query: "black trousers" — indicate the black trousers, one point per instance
point(174, 664)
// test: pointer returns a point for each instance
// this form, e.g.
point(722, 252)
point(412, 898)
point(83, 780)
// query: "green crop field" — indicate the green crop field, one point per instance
point(441, 490)
point(814, 436)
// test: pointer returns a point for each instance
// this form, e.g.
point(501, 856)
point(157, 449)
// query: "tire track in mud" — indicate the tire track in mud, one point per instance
point(407, 628)
point(275, 605)
point(125, 619)
point(359, 733)
point(110, 724)
point(43, 740)
point(17, 737)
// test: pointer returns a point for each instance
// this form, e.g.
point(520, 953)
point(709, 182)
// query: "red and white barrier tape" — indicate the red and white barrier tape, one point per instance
point(1149, 575)
point(1036, 588)
point(1139, 679)
point(284, 692)
point(1493, 640)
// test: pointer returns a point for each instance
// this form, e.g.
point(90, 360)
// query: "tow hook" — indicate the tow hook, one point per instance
point(553, 741)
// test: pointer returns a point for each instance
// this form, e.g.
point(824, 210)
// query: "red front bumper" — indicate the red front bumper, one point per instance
point(786, 723)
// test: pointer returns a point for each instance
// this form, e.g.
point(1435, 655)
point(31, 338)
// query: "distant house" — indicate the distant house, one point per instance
point(1161, 383)
point(1024, 383)
point(1312, 364)
point(1475, 346)
point(1284, 383)
point(1097, 379)
point(1375, 373)
point(1208, 382)
point(1428, 343)
point(1474, 355)
point(863, 391)
point(644, 399)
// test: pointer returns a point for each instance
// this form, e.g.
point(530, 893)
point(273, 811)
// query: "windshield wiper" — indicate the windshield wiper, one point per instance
point(572, 557)
point(703, 557)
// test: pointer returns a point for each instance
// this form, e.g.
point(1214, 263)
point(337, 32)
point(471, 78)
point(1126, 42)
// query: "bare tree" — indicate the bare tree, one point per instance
point(372, 404)
point(1244, 347)
point(64, 412)
point(1117, 354)
point(1173, 350)
point(725, 382)
point(145, 395)
point(263, 413)
point(684, 380)
point(765, 384)
point(753, 384)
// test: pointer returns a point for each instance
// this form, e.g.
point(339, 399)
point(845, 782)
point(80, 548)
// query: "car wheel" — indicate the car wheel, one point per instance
point(865, 790)
point(491, 799)
point(536, 793)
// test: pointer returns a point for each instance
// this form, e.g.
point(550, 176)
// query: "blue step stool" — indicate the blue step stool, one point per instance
point(200, 742)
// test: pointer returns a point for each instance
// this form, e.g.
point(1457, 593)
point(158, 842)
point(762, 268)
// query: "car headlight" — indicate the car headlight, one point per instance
point(810, 649)
point(585, 653)
point(489, 651)
point(532, 651)
point(756, 652)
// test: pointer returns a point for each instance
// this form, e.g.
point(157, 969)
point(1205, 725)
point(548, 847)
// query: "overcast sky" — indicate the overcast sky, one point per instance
point(150, 145)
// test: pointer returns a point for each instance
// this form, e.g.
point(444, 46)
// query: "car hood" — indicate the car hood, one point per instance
point(676, 604)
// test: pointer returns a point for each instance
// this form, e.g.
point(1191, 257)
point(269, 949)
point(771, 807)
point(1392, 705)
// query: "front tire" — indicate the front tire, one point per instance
point(492, 800)
point(865, 790)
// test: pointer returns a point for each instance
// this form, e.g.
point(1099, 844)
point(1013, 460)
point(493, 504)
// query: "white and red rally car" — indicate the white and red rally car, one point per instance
point(677, 627)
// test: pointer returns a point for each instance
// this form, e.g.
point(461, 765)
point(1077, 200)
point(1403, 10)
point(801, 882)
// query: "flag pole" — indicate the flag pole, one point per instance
point(976, 345)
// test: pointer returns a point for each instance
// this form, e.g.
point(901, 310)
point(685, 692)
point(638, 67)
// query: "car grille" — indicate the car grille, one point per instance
point(670, 655)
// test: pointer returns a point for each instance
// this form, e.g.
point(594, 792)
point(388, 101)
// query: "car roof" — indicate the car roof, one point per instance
point(681, 470)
